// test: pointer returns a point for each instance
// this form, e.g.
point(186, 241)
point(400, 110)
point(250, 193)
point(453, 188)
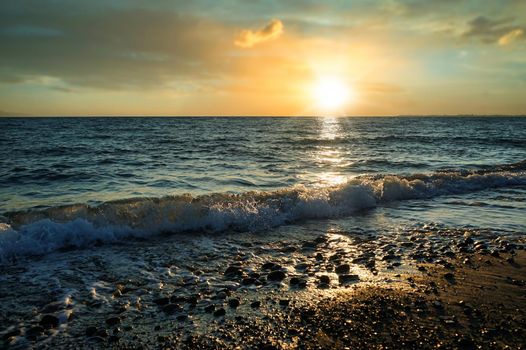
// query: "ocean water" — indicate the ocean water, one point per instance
point(79, 183)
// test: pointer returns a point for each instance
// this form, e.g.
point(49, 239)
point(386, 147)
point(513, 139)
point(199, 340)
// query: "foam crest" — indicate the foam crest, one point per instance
point(76, 226)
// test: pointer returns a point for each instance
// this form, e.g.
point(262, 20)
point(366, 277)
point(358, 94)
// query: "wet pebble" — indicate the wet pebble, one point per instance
point(49, 321)
point(276, 275)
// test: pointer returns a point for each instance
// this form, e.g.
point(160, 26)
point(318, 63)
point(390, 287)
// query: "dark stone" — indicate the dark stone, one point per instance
point(112, 321)
point(277, 275)
point(161, 301)
point(13, 333)
point(210, 308)
point(325, 279)
point(182, 317)
point(91, 331)
point(113, 339)
point(233, 271)
point(233, 303)
point(343, 269)
point(284, 302)
point(157, 328)
point(172, 308)
point(102, 333)
point(449, 276)
point(219, 312)
point(268, 266)
point(348, 278)
point(49, 321)
point(34, 331)
point(248, 281)
point(255, 304)
point(294, 281)
point(174, 299)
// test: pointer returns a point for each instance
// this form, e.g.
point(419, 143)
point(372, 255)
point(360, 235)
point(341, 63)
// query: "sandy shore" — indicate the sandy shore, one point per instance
point(479, 303)
point(423, 289)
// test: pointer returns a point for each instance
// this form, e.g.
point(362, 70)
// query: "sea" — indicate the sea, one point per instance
point(81, 183)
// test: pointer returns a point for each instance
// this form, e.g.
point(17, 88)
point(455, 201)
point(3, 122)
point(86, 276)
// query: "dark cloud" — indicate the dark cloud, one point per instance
point(488, 30)
point(114, 48)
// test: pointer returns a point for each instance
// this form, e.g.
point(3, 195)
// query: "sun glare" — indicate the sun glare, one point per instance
point(331, 93)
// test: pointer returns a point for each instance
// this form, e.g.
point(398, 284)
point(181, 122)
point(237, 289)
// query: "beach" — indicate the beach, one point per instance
point(333, 290)
point(355, 233)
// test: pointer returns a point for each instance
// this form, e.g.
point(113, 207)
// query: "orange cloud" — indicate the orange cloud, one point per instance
point(510, 36)
point(249, 38)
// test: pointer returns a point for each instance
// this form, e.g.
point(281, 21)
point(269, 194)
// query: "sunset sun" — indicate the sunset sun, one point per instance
point(331, 93)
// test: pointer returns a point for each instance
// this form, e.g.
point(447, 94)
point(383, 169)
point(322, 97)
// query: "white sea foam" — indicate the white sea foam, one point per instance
point(41, 232)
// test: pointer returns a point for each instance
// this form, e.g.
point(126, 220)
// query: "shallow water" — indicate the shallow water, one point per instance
point(76, 182)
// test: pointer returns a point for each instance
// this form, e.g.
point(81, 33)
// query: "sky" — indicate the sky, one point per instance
point(255, 57)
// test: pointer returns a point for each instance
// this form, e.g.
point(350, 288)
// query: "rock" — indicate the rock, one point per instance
point(172, 308)
point(233, 271)
point(233, 303)
point(348, 278)
point(221, 295)
point(343, 269)
point(325, 279)
point(284, 302)
point(323, 286)
point(49, 321)
point(112, 321)
point(210, 308)
point(255, 304)
point(102, 333)
point(182, 317)
point(276, 275)
point(294, 281)
point(219, 312)
point(466, 343)
point(12, 333)
point(161, 301)
point(113, 339)
point(35, 331)
point(91, 331)
point(248, 281)
point(268, 266)
point(449, 276)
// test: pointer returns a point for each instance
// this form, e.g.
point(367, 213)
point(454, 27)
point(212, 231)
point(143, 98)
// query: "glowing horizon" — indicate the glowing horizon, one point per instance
point(361, 58)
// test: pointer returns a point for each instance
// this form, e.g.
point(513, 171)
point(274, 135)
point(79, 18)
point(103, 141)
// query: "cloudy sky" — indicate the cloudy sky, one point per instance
point(255, 57)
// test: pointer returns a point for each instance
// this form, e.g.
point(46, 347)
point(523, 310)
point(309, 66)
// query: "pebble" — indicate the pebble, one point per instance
point(233, 303)
point(219, 312)
point(112, 321)
point(348, 278)
point(276, 275)
point(49, 321)
point(325, 279)
point(91, 331)
point(172, 308)
point(343, 269)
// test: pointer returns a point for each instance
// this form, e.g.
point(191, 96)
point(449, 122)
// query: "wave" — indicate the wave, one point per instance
point(37, 232)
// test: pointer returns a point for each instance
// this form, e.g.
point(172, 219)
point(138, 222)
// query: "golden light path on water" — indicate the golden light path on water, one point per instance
point(329, 157)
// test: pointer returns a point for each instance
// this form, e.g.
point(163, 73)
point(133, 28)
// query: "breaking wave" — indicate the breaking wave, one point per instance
point(37, 232)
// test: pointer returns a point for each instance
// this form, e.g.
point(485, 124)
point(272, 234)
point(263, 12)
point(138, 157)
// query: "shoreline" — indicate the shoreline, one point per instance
point(317, 288)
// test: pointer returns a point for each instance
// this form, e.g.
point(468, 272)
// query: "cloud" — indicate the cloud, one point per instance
point(511, 36)
point(119, 48)
point(501, 31)
point(249, 38)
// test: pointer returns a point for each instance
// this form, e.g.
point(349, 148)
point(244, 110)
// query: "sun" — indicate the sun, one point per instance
point(331, 93)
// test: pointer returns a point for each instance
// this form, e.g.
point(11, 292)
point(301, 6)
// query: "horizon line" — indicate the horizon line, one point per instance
point(260, 116)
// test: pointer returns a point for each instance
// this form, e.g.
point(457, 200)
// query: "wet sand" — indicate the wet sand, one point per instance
point(428, 288)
